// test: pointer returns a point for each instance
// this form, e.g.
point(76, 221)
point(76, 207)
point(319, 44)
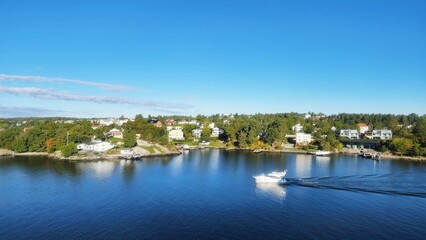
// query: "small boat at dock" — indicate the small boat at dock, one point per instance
point(136, 157)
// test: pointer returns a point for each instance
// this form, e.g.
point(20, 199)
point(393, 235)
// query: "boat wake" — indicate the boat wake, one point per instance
point(390, 184)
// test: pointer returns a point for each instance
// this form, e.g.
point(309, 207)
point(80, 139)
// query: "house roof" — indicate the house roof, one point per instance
point(362, 125)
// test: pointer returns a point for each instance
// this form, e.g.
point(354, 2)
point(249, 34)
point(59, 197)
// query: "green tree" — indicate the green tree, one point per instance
point(19, 144)
point(205, 134)
point(7, 137)
point(80, 132)
point(402, 145)
point(187, 130)
point(36, 139)
point(419, 131)
point(69, 150)
point(129, 139)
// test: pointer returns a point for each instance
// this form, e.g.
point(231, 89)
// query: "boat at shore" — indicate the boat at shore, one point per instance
point(273, 177)
point(136, 157)
point(322, 153)
point(370, 154)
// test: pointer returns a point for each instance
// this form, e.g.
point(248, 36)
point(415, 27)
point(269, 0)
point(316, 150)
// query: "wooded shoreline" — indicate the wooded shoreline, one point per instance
point(5, 153)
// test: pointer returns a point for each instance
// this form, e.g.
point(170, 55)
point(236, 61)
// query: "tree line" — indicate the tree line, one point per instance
point(239, 130)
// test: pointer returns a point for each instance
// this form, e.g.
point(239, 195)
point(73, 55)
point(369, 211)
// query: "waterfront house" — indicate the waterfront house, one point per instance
point(297, 128)
point(197, 133)
point(383, 134)
point(216, 132)
point(349, 133)
point(97, 146)
point(175, 133)
point(303, 138)
point(362, 128)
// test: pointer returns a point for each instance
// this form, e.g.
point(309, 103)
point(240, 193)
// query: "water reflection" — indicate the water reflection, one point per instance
point(214, 160)
point(303, 165)
point(177, 165)
point(128, 168)
point(102, 169)
point(33, 165)
point(271, 190)
point(323, 160)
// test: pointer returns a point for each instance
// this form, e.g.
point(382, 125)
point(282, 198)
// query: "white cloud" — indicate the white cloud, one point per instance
point(66, 96)
point(105, 86)
point(30, 112)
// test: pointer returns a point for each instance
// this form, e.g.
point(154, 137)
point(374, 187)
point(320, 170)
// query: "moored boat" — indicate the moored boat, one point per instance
point(322, 153)
point(136, 157)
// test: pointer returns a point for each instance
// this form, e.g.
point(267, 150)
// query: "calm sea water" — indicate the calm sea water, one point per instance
point(210, 194)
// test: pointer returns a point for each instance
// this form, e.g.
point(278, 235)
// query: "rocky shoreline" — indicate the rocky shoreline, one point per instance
point(110, 156)
point(59, 157)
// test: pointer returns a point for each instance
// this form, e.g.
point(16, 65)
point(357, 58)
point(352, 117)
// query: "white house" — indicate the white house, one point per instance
point(110, 121)
point(120, 122)
point(183, 122)
point(197, 133)
point(106, 122)
point(303, 138)
point(216, 132)
point(175, 133)
point(383, 134)
point(297, 128)
point(97, 146)
point(174, 127)
point(349, 133)
point(211, 125)
point(362, 128)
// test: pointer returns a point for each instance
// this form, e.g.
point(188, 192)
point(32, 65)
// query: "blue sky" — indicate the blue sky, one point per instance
point(108, 58)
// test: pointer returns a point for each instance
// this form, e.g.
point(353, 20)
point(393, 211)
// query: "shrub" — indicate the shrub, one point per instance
point(69, 150)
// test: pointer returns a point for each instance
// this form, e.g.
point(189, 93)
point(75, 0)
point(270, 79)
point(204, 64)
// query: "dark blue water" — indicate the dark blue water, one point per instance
point(210, 194)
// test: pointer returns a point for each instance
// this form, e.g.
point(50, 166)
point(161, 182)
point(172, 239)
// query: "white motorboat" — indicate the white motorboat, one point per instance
point(322, 153)
point(273, 177)
point(277, 174)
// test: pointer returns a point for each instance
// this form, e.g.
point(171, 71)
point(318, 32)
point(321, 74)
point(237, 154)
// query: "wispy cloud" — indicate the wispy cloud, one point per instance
point(66, 96)
point(8, 112)
point(38, 79)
